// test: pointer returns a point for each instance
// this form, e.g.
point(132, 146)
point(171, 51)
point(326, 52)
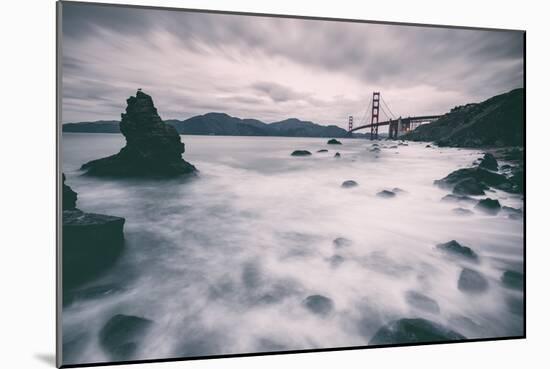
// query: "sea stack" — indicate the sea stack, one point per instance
point(153, 148)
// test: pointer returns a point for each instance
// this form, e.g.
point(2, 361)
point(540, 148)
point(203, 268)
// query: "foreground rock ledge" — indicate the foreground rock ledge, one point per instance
point(153, 148)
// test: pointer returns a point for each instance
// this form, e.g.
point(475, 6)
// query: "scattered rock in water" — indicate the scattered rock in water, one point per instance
point(403, 144)
point(333, 141)
point(472, 281)
point(454, 248)
point(375, 149)
point(513, 213)
point(512, 279)
point(457, 198)
point(489, 162)
point(393, 147)
point(349, 184)
point(300, 153)
point(153, 148)
point(337, 155)
point(89, 293)
point(469, 186)
point(336, 260)
point(69, 196)
point(322, 150)
point(342, 242)
point(319, 304)
point(481, 176)
point(413, 331)
point(121, 336)
point(386, 194)
point(91, 244)
point(398, 190)
point(462, 211)
point(422, 302)
point(488, 206)
point(428, 146)
point(505, 167)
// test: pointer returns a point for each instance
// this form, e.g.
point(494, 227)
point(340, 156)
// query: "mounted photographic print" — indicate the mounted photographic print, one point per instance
point(242, 184)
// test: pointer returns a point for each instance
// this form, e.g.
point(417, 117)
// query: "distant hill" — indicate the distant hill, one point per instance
point(225, 125)
point(498, 121)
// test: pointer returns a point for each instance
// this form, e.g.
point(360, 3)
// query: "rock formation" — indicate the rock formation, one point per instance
point(91, 242)
point(153, 148)
point(413, 331)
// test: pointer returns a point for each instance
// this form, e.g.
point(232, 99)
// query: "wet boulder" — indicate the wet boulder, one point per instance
point(300, 153)
point(469, 186)
point(481, 176)
point(153, 148)
point(341, 242)
point(512, 279)
point(322, 150)
point(489, 162)
point(413, 331)
point(319, 304)
point(456, 249)
point(349, 184)
point(91, 245)
point(333, 141)
point(488, 206)
point(471, 281)
point(122, 336)
point(386, 194)
point(457, 198)
point(337, 155)
point(422, 302)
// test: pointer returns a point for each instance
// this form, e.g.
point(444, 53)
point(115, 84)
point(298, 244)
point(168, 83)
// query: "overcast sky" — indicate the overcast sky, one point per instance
point(273, 68)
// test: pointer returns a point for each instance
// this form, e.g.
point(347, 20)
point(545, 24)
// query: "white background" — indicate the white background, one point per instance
point(27, 167)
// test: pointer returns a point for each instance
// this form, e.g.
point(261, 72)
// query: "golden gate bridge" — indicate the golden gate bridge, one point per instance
point(397, 124)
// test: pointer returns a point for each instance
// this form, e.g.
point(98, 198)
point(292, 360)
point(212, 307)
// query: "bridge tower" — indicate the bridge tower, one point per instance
point(374, 115)
point(350, 123)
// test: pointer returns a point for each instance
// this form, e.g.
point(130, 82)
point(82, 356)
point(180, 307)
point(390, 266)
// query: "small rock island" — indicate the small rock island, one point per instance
point(153, 148)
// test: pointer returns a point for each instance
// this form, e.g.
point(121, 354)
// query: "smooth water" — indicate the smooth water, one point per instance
point(223, 262)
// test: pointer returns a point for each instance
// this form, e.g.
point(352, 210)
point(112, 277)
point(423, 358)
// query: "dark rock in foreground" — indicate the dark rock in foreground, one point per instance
point(386, 194)
point(121, 336)
point(480, 176)
point(454, 248)
point(300, 153)
point(153, 148)
point(91, 244)
point(413, 331)
point(349, 184)
point(489, 162)
point(488, 206)
point(472, 281)
point(512, 279)
point(319, 304)
point(333, 141)
point(422, 302)
point(469, 186)
point(69, 196)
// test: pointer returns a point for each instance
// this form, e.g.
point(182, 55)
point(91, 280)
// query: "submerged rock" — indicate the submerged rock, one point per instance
point(69, 196)
point(300, 153)
point(472, 281)
point(386, 194)
point(454, 248)
point(91, 244)
point(349, 184)
point(413, 331)
point(319, 304)
point(333, 141)
point(342, 242)
point(422, 302)
point(462, 211)
point(488, 206)
point(457, 198)
point(322, 150)
point(513, 213)
point(337, 155)
point(153, 148)
point(512, 279)
point(121, 336)
point(375, 149)
point(489, 162)
point(336, 260)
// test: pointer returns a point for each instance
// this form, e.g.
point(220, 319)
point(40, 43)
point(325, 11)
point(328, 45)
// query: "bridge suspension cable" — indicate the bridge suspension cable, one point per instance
point(387, 107)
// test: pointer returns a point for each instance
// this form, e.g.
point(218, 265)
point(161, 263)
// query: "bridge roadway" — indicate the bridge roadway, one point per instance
point(421, 118)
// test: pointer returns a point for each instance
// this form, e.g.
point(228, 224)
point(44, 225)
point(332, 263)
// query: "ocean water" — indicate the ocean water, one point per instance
point(223, 262)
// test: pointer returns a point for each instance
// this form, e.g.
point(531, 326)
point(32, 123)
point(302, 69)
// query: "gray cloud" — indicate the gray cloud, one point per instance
point(273, 68)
